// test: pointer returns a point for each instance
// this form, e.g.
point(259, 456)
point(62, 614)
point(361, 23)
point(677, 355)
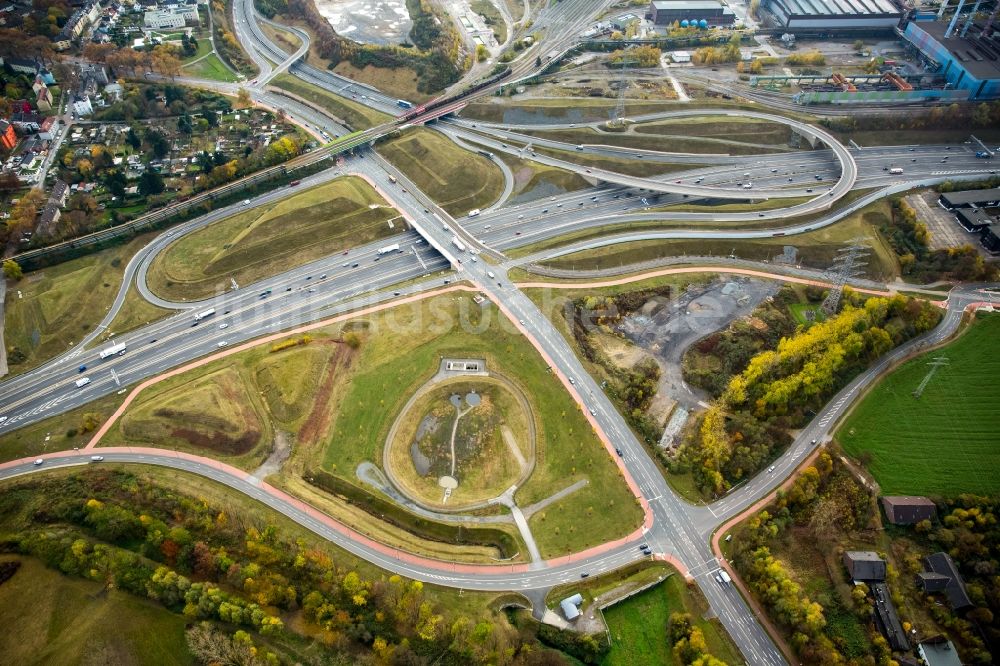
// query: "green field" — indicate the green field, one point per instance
point(356, 116)
point(272, 238)
point(210, 68)
point(690, 135)
point(638, 627)
point(403, 350)
point(53, 307)
point(815, 248)
point(52, 619)
point(457, 179)
point(533, 180)
point(944, 442)
point(579, 110)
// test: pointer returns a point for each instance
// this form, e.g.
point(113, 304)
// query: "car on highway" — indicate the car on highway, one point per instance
point(82, 368)
point(222, 343)
point(96, 458)
point(815, 442)
point(770, 470)
point(38, 461)
point(572, 381)
point(223, 326)
point(354, 265)
point(2, 419)
point(584, 575)
point(593, 413)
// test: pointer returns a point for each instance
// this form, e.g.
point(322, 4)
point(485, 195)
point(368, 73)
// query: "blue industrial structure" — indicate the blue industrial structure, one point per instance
point(968, 61)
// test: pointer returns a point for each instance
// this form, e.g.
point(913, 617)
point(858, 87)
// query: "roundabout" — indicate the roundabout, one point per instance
point(462, 440)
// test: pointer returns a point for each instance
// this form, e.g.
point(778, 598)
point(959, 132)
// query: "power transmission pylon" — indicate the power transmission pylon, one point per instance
point(849, 263)
point(934, 365)
point(619, 119)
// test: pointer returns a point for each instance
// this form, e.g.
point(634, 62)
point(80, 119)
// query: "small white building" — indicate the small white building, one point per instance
point(680, 56)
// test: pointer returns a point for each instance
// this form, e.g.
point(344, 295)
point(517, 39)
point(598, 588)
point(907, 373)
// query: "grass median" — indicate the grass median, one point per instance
point(356, 116)
point(816, 249)
point(272, 238)
point(51, 309)
point(456, 179)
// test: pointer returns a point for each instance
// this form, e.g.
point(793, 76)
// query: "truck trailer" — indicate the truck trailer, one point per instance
point(113, 350)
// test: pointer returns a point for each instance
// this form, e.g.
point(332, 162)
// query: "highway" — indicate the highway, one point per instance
point(364, 278)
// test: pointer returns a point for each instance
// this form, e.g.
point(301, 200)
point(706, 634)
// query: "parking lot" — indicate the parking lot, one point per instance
point(944, 229)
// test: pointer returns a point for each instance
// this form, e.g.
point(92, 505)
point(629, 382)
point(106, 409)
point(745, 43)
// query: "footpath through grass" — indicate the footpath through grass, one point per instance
point(53, 619)
point(402, 349)
point(944, 442)
point(209, 67)
point(457, 179)
point(638, 626)
point(272, 238)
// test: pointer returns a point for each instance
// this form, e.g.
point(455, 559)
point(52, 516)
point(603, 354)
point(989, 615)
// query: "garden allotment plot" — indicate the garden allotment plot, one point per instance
point(945, 442)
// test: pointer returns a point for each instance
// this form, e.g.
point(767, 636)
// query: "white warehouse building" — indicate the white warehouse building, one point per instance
point(794, 15)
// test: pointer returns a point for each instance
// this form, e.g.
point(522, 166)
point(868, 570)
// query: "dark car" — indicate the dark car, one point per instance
point(82, 368)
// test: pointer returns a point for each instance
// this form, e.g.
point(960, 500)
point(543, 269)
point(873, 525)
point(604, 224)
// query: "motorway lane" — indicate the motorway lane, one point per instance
point(50, 389)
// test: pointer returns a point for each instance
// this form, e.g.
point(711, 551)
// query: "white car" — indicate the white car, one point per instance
point(96, 458)
point(223, 325)
point(222, 344)
point(38, 462)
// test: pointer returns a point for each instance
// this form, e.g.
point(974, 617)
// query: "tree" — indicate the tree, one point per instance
point(243, 98)
point(150, 182)
point(11, 270)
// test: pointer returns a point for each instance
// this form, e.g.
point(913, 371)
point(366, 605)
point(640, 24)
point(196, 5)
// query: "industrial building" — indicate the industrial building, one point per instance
point(971, 198)
point(703, 13)
point(963, 51)
point(832, 15)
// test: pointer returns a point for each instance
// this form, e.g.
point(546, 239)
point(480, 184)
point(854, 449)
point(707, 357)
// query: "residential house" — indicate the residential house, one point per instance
point(95, 71)
point(8, 138)
point(82, 106)
point(50, 215)
point(27, 122)
point(114, 91)
point(887, 619)
point(60, 192)
point(43, 96)
point(864, 565)
point(23, 65)
point(941, 575)
point(905, 510)
point(938, 651)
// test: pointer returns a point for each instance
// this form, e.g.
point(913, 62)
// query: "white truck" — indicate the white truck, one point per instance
point(896, 170)
point(204, 313)
point(388, 249)
point(724, 575)
point(457, 243)
point(113, 350)
point(473, 212)
point(82, 381)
